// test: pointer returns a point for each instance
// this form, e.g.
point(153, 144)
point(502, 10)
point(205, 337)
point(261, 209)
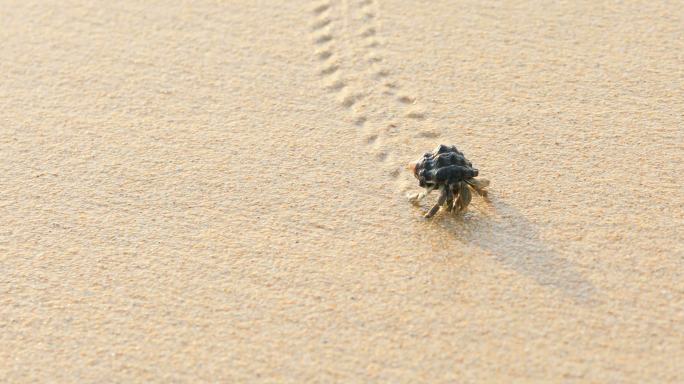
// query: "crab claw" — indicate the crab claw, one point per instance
point(479, 186)
point(414, 198)
point(412, 166)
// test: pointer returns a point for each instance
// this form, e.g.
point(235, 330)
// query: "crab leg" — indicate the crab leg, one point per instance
point(415, 198)
point(464, 195)
point(450, 198)
point(440, 202)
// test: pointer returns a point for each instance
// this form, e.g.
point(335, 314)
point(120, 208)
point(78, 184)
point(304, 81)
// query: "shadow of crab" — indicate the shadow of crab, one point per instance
point(515, 242)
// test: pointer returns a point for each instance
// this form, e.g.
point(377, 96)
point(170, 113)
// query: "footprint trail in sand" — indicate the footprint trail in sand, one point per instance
point(348, 43)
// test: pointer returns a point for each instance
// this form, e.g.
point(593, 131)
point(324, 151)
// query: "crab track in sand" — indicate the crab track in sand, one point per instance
point(325, 33)
point(347, 42)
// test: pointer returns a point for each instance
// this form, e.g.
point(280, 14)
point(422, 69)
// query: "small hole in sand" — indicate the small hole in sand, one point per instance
point(416, 115)
point(330, 70)
point(348, 100)
point(323, 55)
point(429, 134)
point(323, 38)
point(336, 85)
point(321, 23)
point(368, 32)
point(373, 44)
point(374, 58)
point(321, 8)
point(382, 73)
point(406, 99)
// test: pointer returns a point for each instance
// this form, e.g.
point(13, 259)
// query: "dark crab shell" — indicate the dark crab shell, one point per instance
point(444, 165)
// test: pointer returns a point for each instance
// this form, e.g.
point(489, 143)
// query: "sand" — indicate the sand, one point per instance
point(215, 191)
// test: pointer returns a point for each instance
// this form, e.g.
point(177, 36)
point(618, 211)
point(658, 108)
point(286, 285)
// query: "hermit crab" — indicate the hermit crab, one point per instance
point(447, 169)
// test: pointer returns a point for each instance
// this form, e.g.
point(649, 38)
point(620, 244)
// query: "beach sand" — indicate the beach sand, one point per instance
point(215, 191)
